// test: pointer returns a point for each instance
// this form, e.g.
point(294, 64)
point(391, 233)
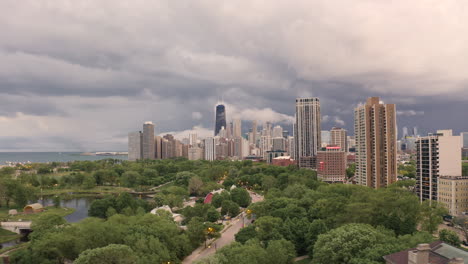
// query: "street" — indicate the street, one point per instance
point(226, 237)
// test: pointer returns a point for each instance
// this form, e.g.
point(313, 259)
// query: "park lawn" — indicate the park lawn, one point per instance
point(97, 189)
point(62, 211)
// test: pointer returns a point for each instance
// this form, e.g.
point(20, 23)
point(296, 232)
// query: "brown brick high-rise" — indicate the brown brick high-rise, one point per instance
point(376, 144)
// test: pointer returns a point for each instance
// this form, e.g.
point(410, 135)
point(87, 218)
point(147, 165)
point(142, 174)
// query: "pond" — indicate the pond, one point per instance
point(81, 206)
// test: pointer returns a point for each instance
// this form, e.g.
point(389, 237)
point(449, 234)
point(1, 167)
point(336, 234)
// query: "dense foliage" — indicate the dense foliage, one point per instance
point(147, 238)
point(299, 216)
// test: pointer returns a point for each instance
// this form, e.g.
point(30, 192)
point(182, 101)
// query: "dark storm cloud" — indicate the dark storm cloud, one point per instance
point(88, 72)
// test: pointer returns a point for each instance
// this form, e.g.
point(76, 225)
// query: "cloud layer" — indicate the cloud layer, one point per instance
point(79, 75)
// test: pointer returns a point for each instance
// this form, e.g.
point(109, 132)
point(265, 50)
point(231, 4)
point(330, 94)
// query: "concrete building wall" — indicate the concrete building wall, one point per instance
point(449, 154)
point(338, 138)
point(135, 145)
point(453, 194)
point(149, 148)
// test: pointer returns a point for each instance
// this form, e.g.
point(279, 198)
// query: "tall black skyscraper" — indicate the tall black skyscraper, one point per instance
point(220, 118)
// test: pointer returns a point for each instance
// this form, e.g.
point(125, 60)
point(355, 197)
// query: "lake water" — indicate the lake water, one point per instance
point(81, 206)
point(50, 157)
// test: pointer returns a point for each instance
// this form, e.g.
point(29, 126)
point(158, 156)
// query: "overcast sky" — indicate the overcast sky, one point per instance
point(80, 75)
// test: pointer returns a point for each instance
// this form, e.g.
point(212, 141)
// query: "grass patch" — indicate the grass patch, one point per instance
point(30, 217)
point(95, 190)
point(22, 245)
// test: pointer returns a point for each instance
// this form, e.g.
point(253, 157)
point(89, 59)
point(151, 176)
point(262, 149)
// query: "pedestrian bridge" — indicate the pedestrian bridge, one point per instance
point(19, 227)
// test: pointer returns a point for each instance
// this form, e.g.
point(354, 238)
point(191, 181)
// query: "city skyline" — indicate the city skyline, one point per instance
point(78, 76)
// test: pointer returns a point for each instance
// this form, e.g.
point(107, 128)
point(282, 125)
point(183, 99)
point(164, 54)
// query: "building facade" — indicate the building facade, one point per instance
point(338, 137)
point(307, 130)
point(437, 155)
point(148, 146)
point(237, 128)
point(452, 192)
point(376, 143)
point(331, 164)
point(210, 148)
point(135, 141)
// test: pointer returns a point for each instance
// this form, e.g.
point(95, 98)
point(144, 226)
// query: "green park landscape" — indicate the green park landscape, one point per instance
point(300, 215)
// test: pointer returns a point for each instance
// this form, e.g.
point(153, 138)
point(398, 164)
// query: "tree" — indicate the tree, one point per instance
point(195, 185)
point(182, 178)
point(353, 242)
point(241, 197)
point(316, 228)
point(350, 171)
point(449, 237)
point(246, 234)
point(268, 228)
point(230, 208)
point(212, 215)
point(462, 222)
point(432, 216)
point(88, 182)
point(45, 224)
point(280, 252)
point(196, 231)
point(129, 178)
point(218, 198)
point(56, 200)
point(111, 254)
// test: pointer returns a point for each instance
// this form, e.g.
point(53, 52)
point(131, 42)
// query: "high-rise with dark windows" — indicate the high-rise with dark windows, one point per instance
point(307, 131)
point(220, 120)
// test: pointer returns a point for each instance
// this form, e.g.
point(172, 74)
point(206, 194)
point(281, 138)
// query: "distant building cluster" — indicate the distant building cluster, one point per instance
point(374, 149)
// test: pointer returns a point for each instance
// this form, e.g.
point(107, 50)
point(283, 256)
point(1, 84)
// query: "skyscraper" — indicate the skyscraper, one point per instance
point(376, 144)
point(415, 132)
point(338, 138)
point(135, 140)
point(277, 132)
point(307, 130)
point(237, 128)
point(149, 148)
point(437, 155)
point(254, 132)
point(220, 120)
point(210, 148)
point(405, 132)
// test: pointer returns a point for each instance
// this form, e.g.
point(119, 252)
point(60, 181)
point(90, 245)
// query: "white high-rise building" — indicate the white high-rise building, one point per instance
point(237, 128)
point(307, 130)
point(149, 146)
point(278, 143)
point(437, 155)
point(277, 132)
point(325, 137)
point(338, 138)
point(135, 140)
point(291, 147)
point(265, 145)
point(210, 148)
point(193, 139)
